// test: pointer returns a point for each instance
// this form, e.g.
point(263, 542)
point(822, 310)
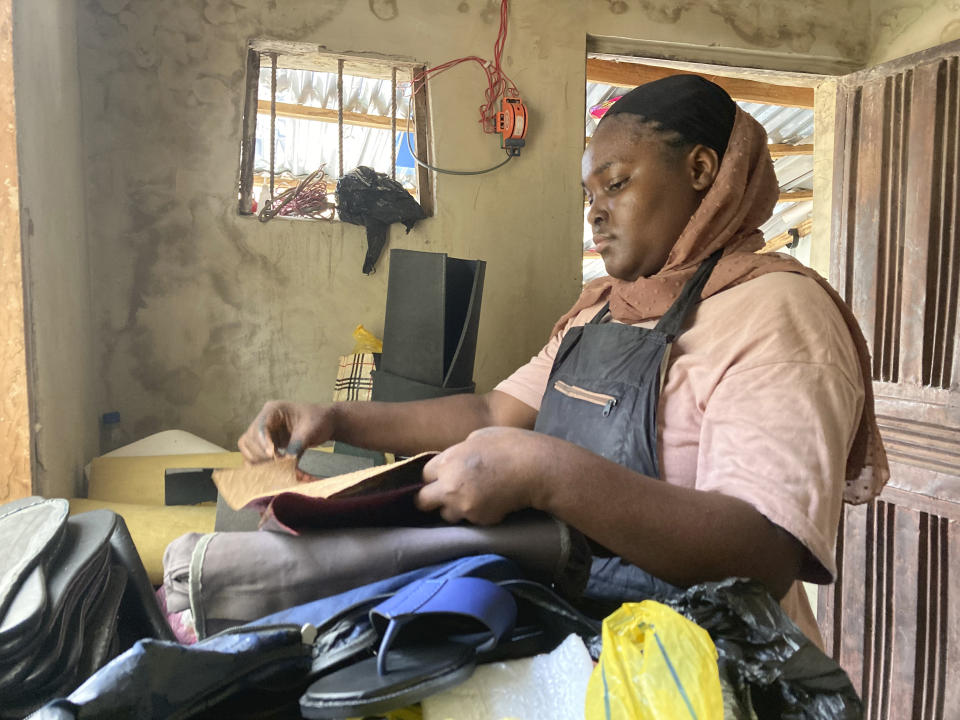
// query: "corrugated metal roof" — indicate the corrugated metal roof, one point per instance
point(791, 126)
point(784, 125)
point(304, 145)
point(319, 89)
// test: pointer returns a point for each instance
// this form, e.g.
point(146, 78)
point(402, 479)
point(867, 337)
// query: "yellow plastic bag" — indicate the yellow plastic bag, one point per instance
point(365, 341)
point(655, 664)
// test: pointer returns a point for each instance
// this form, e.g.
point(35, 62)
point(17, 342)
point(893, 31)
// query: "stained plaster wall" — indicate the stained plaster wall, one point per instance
point(59, 330)
point(900, 28)
point(825, 102)
point(200, 314)
point(807, 36)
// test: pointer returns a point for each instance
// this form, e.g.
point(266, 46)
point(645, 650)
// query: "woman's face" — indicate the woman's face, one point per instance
point(641, 195)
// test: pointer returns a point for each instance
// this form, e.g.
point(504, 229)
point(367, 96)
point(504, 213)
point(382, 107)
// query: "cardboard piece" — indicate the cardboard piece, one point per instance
point(141, 480)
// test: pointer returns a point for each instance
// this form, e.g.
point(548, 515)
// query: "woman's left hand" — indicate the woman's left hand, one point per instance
point(484, 478)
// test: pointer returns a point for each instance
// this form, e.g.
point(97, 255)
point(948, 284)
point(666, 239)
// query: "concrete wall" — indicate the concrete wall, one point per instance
point(900, 28)
point(196, 315)
point(60, 337)
point(825, 102)
point(200, 315)
point(811, 36)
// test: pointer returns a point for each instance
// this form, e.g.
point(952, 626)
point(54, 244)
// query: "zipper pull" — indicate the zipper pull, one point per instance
point(611, 404)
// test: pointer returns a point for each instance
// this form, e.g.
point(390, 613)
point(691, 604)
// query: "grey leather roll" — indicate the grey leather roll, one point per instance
point(234, 577)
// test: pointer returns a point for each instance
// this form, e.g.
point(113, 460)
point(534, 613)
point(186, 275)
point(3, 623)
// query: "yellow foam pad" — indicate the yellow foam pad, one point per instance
point(140, 480)
point(153, 527)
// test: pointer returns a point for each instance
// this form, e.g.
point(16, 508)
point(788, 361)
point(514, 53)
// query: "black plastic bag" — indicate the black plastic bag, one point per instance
point(773, 667)
point(375, 200)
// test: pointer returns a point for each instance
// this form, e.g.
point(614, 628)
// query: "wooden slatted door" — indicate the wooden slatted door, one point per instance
point(893, 618)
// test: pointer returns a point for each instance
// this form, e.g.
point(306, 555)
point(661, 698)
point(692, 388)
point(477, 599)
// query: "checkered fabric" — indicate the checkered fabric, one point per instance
point(354, 379)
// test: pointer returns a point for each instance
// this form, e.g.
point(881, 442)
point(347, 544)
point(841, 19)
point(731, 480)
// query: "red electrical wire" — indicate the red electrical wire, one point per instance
point(498, 83)
point(307, 199)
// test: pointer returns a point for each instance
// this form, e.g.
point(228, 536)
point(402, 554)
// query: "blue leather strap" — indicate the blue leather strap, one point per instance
point(470, 598)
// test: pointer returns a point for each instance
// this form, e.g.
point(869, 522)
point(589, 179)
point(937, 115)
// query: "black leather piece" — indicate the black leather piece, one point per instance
point(432, 316)
point(329, 464)
point(72, 587)
point(61, 652)
point(462, 322)
point(540, 607)
point(140, 616)
point(62, 622)
point(28, 609)
point(100, 643)
point(413, 322)
point(25, 613)
point(157, 679)
point(29, 528)
point(22, 705)
point(188, 486)
point(342, 448)
point(388, 387)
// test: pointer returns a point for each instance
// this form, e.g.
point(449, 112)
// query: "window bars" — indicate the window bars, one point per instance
point(248, 145)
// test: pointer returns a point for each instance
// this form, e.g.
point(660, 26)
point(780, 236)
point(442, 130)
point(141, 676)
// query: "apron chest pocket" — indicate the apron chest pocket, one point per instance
point(602, 400)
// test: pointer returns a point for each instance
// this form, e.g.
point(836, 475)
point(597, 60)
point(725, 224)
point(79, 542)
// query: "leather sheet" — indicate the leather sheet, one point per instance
point(290, 500)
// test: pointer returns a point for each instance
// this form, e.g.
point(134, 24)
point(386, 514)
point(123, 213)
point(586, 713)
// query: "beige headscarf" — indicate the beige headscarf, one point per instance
point(741, 198)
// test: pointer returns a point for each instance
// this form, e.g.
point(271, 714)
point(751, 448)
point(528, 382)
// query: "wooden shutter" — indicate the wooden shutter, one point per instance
point(893, 617)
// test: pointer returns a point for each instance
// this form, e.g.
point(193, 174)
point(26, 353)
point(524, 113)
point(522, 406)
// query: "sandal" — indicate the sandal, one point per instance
point(431, 633)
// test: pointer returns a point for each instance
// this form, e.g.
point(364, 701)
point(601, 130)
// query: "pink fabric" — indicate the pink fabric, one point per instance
point(180, 622)
point(764, 409)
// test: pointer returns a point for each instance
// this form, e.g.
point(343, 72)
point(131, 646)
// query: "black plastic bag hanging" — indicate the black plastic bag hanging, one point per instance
point(775, 670)
point(374, 200)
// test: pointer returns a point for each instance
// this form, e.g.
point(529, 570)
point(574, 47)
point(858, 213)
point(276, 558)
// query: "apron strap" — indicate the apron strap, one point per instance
point(600, 315)
point(676, 315)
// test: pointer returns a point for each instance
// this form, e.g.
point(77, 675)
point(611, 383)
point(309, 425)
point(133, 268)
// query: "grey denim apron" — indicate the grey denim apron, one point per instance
point(602, 394)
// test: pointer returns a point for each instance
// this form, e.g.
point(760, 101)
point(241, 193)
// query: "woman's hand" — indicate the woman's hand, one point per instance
point(284, 429)
point(484, 478)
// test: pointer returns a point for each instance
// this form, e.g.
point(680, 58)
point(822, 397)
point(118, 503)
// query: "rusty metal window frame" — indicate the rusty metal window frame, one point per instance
point(276, 54)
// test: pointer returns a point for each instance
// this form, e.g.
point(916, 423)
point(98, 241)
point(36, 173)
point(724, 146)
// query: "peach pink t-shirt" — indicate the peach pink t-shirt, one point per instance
point(762, 399)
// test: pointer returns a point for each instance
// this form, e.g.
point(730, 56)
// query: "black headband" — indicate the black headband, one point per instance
point(701, 111)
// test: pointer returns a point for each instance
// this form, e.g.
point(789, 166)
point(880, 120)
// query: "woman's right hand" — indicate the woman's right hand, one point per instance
point(285, 429)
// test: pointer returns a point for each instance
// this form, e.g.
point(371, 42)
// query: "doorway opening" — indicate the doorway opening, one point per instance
point(783, 104)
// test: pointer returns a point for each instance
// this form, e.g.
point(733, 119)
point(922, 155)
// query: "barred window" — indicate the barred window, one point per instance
point(310, 116)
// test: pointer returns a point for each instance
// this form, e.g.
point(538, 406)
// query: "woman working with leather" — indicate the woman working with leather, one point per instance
point(701, 413)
